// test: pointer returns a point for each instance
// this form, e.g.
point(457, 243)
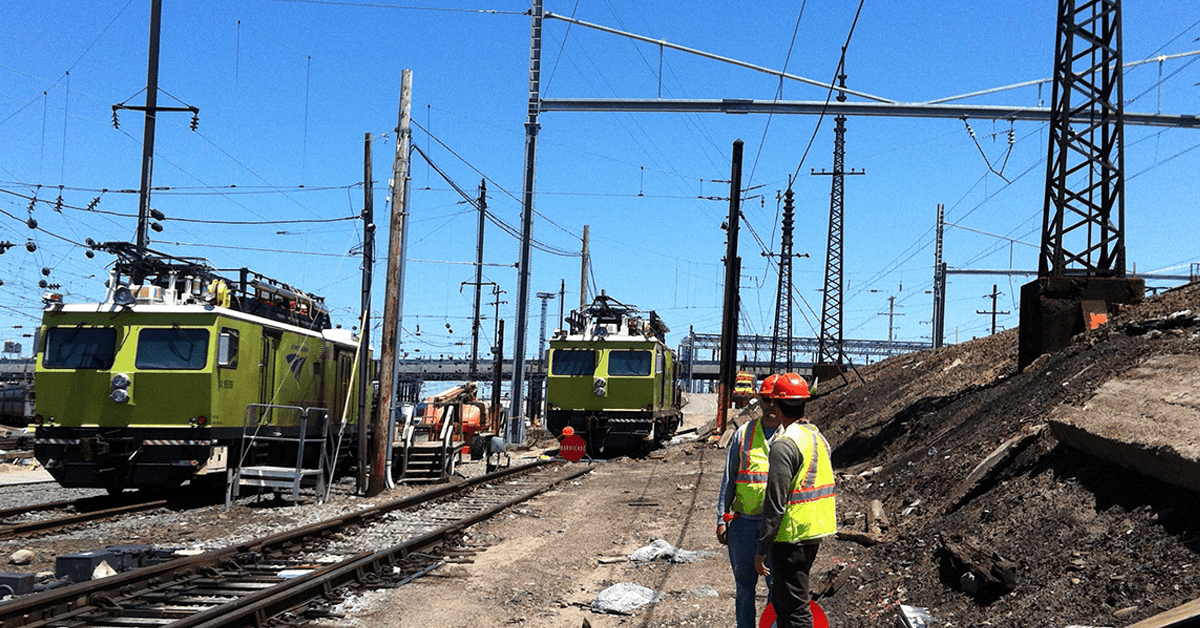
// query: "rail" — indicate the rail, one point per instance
point(187, 592)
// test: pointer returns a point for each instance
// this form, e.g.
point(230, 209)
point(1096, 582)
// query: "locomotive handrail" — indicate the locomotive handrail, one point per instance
point(301, 439)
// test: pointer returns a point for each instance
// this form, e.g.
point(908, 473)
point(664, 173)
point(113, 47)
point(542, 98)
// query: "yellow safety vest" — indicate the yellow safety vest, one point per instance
point(810, 512)
point(751, 483)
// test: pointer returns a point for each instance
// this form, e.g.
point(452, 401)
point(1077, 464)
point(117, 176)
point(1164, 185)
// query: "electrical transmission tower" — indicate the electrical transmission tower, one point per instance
point(829, 346)
point(781, 340)
point(1082, 255)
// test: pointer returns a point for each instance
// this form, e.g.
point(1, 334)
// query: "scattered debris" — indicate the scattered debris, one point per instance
point(704, 591)
point(22, 557)
point(981, 568)
point(660, 549)
point(988, 468)
point(914, 617)
point(624, 597)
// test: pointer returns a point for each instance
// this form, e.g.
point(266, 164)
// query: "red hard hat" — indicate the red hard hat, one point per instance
point(767, 389)
point(790, 386)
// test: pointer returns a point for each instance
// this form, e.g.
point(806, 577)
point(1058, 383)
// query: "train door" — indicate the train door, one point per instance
point(661, 398)
point(345, 375)
point(266, 372)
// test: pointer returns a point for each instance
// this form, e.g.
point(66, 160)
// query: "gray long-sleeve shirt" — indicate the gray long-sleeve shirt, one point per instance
point(785, 460)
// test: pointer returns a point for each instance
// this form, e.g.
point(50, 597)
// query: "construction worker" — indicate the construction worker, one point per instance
point(740, 502)
point(798, 506)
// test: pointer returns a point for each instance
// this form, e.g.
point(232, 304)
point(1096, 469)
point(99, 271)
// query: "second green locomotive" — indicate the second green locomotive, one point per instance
point(612, 378)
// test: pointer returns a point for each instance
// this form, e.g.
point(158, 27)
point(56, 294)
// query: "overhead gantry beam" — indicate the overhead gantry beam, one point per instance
point(878, 109)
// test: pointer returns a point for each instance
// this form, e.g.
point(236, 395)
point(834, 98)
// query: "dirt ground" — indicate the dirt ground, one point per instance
point(1077, 541)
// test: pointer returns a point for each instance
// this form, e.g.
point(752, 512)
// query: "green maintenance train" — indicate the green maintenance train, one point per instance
point(612, 379)
point(181, 374)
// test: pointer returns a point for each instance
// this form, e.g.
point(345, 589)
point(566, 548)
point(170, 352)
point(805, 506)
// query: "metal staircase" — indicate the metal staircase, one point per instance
point(266, 449)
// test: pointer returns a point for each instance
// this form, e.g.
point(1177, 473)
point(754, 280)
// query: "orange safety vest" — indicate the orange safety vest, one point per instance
point(811, 511)
point(750, 486)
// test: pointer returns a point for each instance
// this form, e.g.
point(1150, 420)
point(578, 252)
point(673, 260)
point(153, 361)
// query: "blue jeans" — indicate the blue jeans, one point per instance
point(742, 534)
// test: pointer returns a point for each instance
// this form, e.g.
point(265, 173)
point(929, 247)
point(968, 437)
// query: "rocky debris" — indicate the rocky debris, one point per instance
point(22, 557)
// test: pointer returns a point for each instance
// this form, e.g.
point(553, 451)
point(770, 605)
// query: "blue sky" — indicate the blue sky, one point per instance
point(287, 89)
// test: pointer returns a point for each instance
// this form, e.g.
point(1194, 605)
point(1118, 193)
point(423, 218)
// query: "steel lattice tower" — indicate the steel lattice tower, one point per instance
point(1084, 216)
point(781, 340)
point(829, 346)
point(1081, 265)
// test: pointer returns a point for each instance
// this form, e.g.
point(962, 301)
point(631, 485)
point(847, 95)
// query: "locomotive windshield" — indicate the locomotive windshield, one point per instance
point(79, 348)
point(172, 348)
point(629, 362)
point(572, 362)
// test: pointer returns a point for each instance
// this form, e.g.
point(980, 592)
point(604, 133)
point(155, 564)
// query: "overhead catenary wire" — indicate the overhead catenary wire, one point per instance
point(507, 228)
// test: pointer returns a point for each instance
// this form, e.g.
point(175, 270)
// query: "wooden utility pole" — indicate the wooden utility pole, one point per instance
point(364, 334)
point(994, 311)
point(583, 268)
point(478, 281)
point(393, 306)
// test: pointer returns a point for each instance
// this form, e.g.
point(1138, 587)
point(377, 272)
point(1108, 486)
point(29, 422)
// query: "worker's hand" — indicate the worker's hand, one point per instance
point(760, 565)
point(722, 535)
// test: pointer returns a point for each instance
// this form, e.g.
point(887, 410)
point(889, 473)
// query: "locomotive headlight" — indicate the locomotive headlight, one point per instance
point(120, 380)
point(119, 395)
point(600, 386)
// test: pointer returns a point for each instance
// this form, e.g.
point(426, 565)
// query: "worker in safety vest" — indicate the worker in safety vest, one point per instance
point(740, 502)
point(798, 506)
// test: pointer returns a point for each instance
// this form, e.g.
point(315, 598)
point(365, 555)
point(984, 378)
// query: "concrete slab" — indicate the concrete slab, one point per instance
point(1147, 419)
point(20, 474)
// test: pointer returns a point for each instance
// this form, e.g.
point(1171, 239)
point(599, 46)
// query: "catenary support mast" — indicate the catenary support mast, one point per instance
point(516, 431)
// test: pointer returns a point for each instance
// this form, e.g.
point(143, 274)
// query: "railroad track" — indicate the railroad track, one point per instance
point(248, 584)
point(88, 510)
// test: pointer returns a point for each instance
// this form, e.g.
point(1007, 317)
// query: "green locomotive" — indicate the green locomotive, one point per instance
point(181, 374)
point(612, 378)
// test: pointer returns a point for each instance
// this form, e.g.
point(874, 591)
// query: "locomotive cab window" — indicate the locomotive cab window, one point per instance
point(80, 348)
point(227, 348)
point(629, 363)
point(572, 362)
point(172, 348)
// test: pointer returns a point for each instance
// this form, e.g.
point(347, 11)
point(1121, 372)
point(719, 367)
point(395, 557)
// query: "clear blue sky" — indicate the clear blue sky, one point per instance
point(288, 89)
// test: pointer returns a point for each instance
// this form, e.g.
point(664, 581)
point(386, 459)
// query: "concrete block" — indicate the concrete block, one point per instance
point(16, 583)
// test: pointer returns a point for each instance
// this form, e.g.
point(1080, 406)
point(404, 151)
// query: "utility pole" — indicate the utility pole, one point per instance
point(498, 362)
point(393, 307)
point(829, 342)
point(562, 297)
point(994, 295)
point(891, 314)
point(364, 334)
point(151, 109)
point(583, 270)
point(516, 433)
point(535, 393)
point(733, 270)
point(939, 283)
point(478, 281)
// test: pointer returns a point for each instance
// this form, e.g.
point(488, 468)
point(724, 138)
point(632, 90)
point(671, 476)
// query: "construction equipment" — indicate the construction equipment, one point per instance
point(429, 447)
point(743, 389)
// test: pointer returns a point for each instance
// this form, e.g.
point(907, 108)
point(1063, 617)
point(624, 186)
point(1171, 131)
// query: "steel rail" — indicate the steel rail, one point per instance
point(253, 610)
point(56, 606)
point(50, 524)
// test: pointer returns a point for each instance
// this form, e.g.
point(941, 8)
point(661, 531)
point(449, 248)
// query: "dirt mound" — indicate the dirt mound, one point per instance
point(1056, 536)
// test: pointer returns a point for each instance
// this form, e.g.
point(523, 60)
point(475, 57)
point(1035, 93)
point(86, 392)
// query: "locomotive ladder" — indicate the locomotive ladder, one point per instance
point(279, 478)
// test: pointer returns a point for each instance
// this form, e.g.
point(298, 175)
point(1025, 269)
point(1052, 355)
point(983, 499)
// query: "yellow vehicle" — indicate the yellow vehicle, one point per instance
point(743, 389)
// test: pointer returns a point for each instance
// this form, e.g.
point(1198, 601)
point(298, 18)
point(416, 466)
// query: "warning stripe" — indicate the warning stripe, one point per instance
point(56, 441)
point(179, 442)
